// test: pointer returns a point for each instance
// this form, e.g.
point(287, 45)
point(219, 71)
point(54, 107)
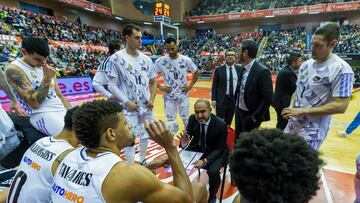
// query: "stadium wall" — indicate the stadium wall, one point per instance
point(309, 21)
point(127, 9)
point(71, 13)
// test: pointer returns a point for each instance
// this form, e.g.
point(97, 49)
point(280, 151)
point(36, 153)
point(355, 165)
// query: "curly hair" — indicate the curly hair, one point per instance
point(68, 117)
point(270, 166)
point(36, 45)
point(93, 118)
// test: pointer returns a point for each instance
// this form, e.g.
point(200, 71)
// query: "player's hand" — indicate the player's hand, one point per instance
point(186, 88)
point(290, 111)
point(14, 107)
point(184, 139)
point(199, 164)
point(131, 105)
point(150, 104)
point(49, 72)
point(162, 161)
point(213, 104)
point(160, 133)
point(165, 89)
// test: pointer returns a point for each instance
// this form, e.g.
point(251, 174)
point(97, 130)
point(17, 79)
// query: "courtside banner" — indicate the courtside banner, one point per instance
point(311, 9)
point(68, 86)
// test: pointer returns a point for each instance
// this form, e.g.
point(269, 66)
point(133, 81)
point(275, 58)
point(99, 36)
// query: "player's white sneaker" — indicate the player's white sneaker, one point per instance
point(343, 133)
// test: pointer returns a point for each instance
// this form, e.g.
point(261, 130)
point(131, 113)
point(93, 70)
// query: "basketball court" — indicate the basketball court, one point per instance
point(338, 152)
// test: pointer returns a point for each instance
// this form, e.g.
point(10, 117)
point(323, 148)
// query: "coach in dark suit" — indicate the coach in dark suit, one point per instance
point(224, 86)
point(208, 135)
point(254, 91)
point(285, 87)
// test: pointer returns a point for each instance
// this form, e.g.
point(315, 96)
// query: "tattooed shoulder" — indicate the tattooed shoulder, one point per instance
point(17, 78)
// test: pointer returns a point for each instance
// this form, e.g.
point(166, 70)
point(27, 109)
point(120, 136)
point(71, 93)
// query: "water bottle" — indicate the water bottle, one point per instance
point(173, 126)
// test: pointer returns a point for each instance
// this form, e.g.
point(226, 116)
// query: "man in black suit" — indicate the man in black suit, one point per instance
point(224, 86)
point(285, 87)
point(207, 133)
point(254, 91)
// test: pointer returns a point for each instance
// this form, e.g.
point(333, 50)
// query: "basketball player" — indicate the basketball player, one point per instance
point(174, 68)
point(133, 82)
point(270, 166)
point(34, 177)
point(101, 79)
point(34, 84)
point(95, 173)
point(323, 88)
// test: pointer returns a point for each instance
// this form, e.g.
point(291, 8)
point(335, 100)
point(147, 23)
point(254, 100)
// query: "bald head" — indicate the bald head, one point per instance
point(202, 109)
point(203, 101)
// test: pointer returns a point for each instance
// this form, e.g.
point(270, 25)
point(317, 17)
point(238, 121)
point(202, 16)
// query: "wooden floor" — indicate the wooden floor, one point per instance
point(338, 152)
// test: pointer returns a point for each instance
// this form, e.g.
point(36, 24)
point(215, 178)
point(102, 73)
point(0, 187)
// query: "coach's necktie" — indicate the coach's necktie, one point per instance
point(231, 84)
point(202, 138)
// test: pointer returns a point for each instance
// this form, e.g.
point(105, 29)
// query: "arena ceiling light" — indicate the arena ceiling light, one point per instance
point(88, 9)
point(316, 12)
point(200, 22)
point(119, 18)
point(269, 16)
point(176, 23)
point(147, 23)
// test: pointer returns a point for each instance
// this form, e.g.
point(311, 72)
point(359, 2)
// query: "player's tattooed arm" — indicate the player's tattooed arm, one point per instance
point(17, 78)
point(5, 87)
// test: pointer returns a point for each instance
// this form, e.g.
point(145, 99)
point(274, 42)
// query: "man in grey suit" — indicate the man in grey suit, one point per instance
point(224, 86)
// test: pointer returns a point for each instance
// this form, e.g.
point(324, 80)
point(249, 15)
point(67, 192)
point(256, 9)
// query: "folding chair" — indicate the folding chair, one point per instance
point(230, 146)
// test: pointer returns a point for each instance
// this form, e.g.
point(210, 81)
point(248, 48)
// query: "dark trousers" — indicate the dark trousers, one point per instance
point(244, 122)
point(213, 171)
point(30, 134)
point(281, 121)
point(226, 110)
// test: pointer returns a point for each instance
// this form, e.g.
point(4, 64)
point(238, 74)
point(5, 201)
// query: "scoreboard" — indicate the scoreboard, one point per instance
point(161, 12)
point(161, 9)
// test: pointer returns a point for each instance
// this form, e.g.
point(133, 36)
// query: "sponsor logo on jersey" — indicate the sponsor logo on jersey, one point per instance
point(182, 66)
point(67, 194)
point(129, 67)
point(31, 163)
point(33, 74)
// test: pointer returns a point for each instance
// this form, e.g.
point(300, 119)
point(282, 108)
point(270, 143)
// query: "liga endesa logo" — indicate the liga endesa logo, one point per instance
point(68, 86)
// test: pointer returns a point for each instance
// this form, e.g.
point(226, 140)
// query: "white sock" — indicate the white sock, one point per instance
point(143, 148)
point(185, 122)
point(130, 154)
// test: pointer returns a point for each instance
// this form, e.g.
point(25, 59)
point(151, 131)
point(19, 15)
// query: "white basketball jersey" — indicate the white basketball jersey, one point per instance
point(133, 74)
point(174, 73)
point(33, 178)
point(79, 177)
point(52, 102)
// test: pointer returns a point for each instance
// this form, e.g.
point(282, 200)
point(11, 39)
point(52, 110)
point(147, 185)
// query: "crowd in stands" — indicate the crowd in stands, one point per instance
point(212, 7)
point(75, 62)
point(350, 39)
point(20, 22)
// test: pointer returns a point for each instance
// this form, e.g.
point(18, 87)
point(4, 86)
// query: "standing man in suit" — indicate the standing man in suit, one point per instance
point(254, 91)
point(224, 86)
point(207, 133)
point(285, 86)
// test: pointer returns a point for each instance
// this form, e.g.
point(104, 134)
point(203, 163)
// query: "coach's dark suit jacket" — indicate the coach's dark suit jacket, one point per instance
point(285, 87)
point(218, 90)
point(258, 95)
point(216, 136)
